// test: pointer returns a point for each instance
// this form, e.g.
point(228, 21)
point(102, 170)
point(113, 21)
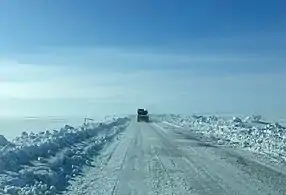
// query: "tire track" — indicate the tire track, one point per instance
point(115, 187)
point(218, 176)
point(133, 175)
point(188, 181)
point(103, 178)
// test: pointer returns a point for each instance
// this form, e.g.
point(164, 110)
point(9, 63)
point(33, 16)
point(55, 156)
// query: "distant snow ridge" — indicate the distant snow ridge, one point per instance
point(252, 132)
point(43, 163)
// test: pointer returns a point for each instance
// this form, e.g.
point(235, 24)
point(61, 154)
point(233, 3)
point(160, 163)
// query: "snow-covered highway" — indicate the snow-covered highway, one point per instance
point(157, 158)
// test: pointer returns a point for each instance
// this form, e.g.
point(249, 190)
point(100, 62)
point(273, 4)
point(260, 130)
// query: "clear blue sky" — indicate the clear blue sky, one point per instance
point(81, 56)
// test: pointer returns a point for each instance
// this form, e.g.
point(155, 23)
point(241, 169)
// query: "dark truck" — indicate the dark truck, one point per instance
point(142, 115)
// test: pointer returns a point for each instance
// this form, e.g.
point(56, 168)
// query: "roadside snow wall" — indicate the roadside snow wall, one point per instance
point(43, 163)
point(252, 132)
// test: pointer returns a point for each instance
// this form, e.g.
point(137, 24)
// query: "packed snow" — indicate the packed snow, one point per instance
point(252, 132)
point(43, 163)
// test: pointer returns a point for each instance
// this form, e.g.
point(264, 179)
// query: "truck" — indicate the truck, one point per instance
point(142, 115)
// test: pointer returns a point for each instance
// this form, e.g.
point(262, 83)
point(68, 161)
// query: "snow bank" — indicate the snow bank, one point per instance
point(252, 132)
point(43, 163)
point(3, 141)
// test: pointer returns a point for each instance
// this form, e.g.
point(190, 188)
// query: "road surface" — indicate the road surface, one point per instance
point(149, 158)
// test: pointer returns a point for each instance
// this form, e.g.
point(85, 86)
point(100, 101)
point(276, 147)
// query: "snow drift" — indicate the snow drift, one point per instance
point(43, 163)
point(252, 132)
point(3, 141)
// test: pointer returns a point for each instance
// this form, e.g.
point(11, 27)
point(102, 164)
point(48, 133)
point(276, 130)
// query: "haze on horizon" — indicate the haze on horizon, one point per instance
point(91, 58)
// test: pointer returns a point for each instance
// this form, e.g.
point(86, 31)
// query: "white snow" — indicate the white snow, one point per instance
point(251, 132)
point(43, 163)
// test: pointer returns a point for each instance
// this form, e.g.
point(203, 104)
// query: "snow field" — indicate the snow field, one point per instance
point(252, 132)
point(43, 163)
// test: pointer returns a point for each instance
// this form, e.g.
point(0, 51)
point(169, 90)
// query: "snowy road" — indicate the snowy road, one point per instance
point(150, 158)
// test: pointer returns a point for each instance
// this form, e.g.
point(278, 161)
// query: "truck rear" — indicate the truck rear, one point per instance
point(142, 115)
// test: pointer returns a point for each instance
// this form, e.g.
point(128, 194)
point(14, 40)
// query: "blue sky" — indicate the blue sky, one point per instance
point(98, 57)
